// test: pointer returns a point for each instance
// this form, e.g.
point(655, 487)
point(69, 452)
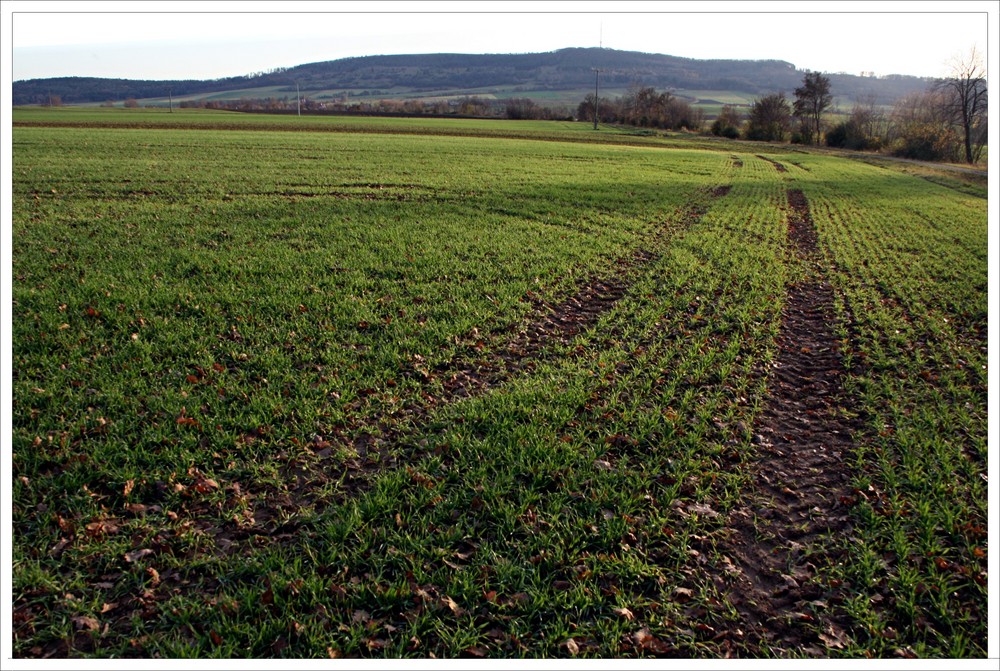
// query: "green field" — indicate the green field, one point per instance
point(313, 387)
point(707, 100)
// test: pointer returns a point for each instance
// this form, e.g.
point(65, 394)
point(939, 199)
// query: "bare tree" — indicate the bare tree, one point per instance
point(870, 119)
point(811, 100)
point(963, 95)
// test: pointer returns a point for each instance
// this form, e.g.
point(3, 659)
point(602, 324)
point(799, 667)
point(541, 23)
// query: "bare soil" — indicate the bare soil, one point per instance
point(779, 539)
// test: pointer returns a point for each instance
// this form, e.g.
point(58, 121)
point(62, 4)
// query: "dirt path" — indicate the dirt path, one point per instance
point(777, 538)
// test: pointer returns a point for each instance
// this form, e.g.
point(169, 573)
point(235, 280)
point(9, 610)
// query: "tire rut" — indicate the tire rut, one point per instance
point(390, 440)
point(779, 538)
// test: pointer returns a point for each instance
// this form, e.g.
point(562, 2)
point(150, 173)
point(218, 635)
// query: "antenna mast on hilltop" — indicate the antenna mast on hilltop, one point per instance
point(597, 75)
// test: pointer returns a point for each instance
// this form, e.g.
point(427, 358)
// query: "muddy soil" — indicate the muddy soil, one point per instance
point(779, 539)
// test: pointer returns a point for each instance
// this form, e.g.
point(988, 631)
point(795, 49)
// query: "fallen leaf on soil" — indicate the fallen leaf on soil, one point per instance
point(683, 594)
point(626, 613)
point(205, 485)
point(644, 640)
point(101, 527)
point(451, 605)
point(59, 547)
point(85, 622)
point(702, 509)
point(728, 566)
point(136, 555)
point(834, 637)
point(571, 646)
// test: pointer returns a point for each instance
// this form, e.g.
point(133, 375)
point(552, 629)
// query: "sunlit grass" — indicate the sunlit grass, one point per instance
point(200, 311)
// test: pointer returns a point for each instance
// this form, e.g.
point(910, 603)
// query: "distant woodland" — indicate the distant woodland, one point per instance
point(565, 69)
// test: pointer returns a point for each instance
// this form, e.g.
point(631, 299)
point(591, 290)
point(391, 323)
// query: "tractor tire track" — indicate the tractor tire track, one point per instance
point(273, 514)
point(779, 538)
point(389, 439)
point(780, 167)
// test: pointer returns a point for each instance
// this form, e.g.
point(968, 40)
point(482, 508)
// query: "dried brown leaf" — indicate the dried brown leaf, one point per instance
point(834, 637)
point(703, 509)
point(683, 594)
point(626, 613)
point(59, 547)
point(448, 602)
point(645, 641)
point(136, 555)
point(85, 622)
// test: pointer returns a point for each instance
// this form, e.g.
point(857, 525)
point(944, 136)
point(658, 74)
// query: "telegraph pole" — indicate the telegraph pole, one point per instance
point(298, 98)
point(597, 100)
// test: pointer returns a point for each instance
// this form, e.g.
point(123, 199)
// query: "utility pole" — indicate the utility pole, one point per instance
point(298, 98)
point(597, 100)
point(170, 100)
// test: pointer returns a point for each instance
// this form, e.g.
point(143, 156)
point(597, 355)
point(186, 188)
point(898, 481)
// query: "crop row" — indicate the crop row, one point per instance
point(909, 259)
point(357, 394)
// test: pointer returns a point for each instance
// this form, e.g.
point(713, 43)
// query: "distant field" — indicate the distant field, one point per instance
point(352, 387)
point(709, 100)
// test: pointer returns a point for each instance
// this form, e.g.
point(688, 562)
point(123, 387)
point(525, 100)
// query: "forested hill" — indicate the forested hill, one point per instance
point(565, 69)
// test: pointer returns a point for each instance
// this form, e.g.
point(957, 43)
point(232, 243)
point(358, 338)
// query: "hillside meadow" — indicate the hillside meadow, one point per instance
point(356, 387)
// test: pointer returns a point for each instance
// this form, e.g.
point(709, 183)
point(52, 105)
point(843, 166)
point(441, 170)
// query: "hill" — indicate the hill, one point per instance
point(569, 69)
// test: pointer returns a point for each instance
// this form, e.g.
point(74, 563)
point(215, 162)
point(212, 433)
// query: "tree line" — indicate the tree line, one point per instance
point(945, 122)
point(643, 106)
point(475, 106)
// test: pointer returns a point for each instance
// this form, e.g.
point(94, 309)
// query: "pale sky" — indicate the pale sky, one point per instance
point(204, 40)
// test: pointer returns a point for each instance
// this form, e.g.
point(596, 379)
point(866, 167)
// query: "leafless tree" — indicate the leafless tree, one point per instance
point(963, 95)
point(811, 100)
point(870, 119)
